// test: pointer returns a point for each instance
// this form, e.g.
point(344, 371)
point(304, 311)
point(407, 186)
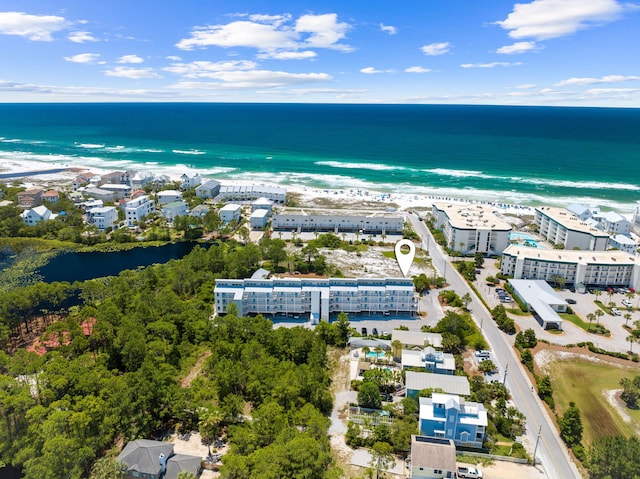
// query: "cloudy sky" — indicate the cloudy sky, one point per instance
point(538, 52)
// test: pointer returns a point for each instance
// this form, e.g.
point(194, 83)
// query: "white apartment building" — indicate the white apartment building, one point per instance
point(374, 224)
point(318, 298)
point(103, 217)
point(137, 208)
point(168, 196)
point(230, 212)
point(252, 192)
point(561, 227)
point(614, 223)
point(172, 210)
point(591, 268)
point(472, 229)
point(258, 219)
point(623, 243)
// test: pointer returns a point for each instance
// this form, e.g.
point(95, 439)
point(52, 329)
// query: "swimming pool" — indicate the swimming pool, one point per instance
point(524, 239)
point(373, 354)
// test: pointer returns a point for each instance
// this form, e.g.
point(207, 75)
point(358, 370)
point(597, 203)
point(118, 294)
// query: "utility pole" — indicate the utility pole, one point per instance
point(506, 370)
point(536, 446)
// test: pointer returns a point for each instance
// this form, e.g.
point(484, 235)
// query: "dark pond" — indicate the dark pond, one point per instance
point(83, 266)
point(10, 473)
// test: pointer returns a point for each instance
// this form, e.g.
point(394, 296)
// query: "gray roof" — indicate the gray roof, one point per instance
point(142, 455)
point(358, 342)
point(182, 462)
point(416, 381)
point(433, 453)
point(417, 338)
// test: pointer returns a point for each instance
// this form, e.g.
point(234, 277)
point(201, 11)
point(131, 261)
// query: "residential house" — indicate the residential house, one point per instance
point(172, 210)
point(208, 189)
point(117, 178)
point(624, 243)
point(229, 213)
point(583, 213)
point(451, 417)
point(140, 180)
point(416, 339)
point(119, 191)
point(103, 217)
point(99, 194)
point(432, 458)
point(190, 181)
point(258, 219)
point(262, 204)
point(429, 359)
point(199, 211)
point(84, 179)
point(30, 197)
point(52, 196)
point(149, 459)
point(138, 208)
point(168, 196)
point(614, 223)
point(416, 382)
point(35, 215)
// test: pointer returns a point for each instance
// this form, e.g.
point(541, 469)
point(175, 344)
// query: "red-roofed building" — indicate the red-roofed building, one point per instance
point(52, 196)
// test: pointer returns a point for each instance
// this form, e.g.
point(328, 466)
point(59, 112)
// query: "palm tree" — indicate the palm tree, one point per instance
point(597, 293)
point(599, 313)
point(631, 338)
point(590, 317)
point(627, 317)
point(396, 347)
point(209, 424)
point(388, 354)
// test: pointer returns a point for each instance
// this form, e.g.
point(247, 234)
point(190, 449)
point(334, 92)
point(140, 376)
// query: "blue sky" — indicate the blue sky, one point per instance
point(538, 52)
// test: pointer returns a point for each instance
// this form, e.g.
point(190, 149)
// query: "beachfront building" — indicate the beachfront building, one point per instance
point(561, 227)
point(416, 381)
point(580, 211)
point(614, 223)
point(140, 180)
point(472, 229)
point(35, 215)
point(258, 219)
point(30, 197)
point(229, 213)
point(85, 178)
point(208, 189)
point(190, 181)
point(416, 339)
point(251, 193)
point(262, 204)
point(429, 359)
point(172, 210)
point(168, 196)
point(317, 298)
point(432, 458)
point(623, 243)
point(117, 178)
point(541, 300)
point(138, 208)
point(449, 416)
point(575, 267)
point(103, 217)
point(380, 223)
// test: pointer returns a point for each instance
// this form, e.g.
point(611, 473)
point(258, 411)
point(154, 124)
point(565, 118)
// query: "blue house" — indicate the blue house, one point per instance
point(450, 417)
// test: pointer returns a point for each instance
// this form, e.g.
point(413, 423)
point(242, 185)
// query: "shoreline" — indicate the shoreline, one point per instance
point(38, 173)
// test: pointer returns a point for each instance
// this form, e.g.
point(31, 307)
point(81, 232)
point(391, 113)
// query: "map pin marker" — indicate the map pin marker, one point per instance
point(405, 259)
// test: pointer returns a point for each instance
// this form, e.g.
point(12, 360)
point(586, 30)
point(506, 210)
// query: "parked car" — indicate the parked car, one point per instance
point(615, 311)
point(483, 354)
point(469, 472)
point(374, 331)
point(627, 303)
point(364, 332)
point(571, 301)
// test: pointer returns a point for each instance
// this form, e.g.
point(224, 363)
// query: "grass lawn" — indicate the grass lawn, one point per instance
point(584, 382)
point(517, 312)
point(577, 320)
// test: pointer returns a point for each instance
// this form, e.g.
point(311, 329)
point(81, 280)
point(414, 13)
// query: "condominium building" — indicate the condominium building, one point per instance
point(561, 227)
point(472, 229)
point(252, 192)
point(374, 224)
point(318, 298)
point(102, 217)
point(575, 267)
point(230, 212)
point(137, 208)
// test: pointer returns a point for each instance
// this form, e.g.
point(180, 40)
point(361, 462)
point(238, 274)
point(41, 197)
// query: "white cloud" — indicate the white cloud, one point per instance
point(518, 47)
point(417, 69)
point(612, 91)
point(81, 37)
point(489, 65)
point(436, 48)
point(545, 19)
point(592, 81)
point(303, 55)
point(174, 58)
point(73, 91)
point(34, 27)
point(253, 79)
point(133, 73)
point(268, 33)
point(204, 69)
point(84, 58)
point(526, 86)
point(389, 29)
point(372, 71)
point(130, 59)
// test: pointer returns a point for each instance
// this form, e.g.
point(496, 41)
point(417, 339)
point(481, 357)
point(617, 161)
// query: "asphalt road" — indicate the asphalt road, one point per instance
point(551, 451)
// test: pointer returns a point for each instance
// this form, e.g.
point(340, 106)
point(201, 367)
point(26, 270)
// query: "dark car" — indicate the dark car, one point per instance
point(364, 332)
point(374, 331)
point(571, 301)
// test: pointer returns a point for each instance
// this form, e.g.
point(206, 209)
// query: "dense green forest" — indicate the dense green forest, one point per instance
point(62, 411)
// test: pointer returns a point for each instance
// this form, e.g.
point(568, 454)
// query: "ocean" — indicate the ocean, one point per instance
point(508, 154)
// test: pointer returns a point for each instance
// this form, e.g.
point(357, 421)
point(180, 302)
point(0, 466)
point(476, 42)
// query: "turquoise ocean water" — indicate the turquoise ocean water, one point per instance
point(526, 155)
